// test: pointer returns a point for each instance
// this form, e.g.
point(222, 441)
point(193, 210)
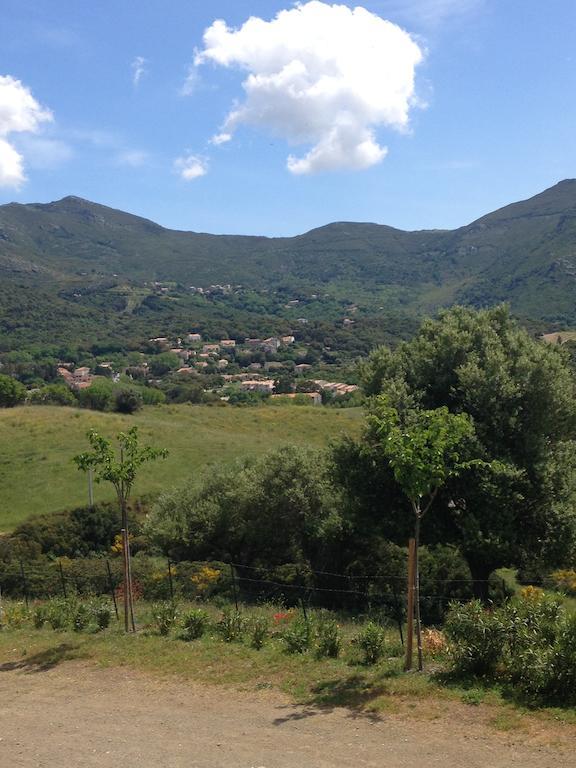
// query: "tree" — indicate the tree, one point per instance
point(424, 449)
point(521, 395)
point(12, 392)
point(280, 508)
point(98, 396)
point(120, 469)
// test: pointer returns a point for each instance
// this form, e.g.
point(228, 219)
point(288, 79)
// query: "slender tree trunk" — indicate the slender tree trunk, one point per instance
point(417, 586)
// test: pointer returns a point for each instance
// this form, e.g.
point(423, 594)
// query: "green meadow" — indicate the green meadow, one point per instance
point(37, 444)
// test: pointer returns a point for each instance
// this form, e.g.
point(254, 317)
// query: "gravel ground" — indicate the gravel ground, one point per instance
point(77, 715)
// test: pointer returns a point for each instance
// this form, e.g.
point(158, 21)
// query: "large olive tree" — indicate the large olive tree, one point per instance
point(521, 396)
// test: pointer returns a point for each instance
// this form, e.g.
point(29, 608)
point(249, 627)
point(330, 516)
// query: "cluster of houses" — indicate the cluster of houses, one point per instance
point(196, 355)
point(83, 377)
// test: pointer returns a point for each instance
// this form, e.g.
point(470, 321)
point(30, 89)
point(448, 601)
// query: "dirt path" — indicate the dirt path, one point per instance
point(77, 715)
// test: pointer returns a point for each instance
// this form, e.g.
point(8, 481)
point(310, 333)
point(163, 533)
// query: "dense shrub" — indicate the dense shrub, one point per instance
point(563, 581)
point(529, 644)
point(194, 624)
point(164, 616)
point(98, 396)
point(73, 533)
point(372, 643)
point(476, 638)
point(231, 626)
point(298, 636)
point(12, 392)
point(53, 394)
point(128, 401)
point(328, 640)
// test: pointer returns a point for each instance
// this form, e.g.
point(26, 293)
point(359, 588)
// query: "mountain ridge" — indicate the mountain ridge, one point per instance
point(523, 253)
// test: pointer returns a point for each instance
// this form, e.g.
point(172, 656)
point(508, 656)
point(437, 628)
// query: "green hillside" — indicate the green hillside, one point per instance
point(82, 269)
point(37, 445)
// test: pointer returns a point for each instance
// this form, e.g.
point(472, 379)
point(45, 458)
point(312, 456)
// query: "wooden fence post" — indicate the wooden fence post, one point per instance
point(410, 596)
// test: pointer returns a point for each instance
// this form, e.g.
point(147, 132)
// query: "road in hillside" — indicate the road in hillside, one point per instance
point(77, 716)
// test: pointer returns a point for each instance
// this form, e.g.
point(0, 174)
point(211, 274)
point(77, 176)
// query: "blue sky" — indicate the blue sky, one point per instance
point(122, 115)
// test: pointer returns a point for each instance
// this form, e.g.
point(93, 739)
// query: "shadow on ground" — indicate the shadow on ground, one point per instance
point(44, 660)
point(355, 693)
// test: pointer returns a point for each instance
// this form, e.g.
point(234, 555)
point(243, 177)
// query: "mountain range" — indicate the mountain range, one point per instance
point(52, 255)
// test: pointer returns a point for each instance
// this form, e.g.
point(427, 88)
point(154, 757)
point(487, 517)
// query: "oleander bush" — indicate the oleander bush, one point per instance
point(194, 624)
point(372, 643)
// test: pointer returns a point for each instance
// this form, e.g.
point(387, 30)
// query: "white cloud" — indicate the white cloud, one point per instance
point(220, 138)
point(191, 81)
point(19, 113)
point(191, 167)
point(133, 158)
point(138, 67)
point(42, 152)
point(11, 166)
point(321, 75)
point(428, 12)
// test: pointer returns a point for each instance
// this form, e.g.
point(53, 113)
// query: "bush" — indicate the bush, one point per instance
point(231, 626)
point(194, 624)
point(58, 613)
point(39, 616)
point(164, 616)
point(102, 613)
point(81, 616)
point(53, 394)
point(299, 635)
point(13, 615)
point(98, 396)
point(127, 401)
point(152, 396)
point(475, 637)
point(563, 581)
point(12, 392)
point(372, 643)
point(328, 641)
point(259, 629)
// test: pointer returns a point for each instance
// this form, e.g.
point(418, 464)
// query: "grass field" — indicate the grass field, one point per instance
point(37, 444)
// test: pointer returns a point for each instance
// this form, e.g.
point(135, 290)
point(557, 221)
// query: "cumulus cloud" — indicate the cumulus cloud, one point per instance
point(191, 167)
point(138, 67)
point(319, 75)
point(19, 113)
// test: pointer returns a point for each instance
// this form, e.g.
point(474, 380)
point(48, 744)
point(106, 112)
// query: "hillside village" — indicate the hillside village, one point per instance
point(267, 367)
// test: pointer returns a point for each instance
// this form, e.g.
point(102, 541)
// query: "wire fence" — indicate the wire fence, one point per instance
point(376, 594)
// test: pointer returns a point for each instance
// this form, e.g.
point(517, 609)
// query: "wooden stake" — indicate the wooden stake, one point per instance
point(125, 579)
point(410, 597)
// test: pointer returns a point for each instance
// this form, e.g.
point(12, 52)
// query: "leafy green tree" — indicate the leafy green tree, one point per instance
point(98, 396)
point(278, 509)
point(424, 449)
point(163, 363)
point(521, 395)
point(119, 467)
point(12, 392)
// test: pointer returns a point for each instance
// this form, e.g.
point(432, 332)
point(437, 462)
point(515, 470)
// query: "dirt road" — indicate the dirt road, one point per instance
point(76, 715)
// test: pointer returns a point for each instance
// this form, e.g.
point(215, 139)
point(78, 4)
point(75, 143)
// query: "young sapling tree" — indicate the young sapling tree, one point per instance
point(119, 465)
point(424, 449)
